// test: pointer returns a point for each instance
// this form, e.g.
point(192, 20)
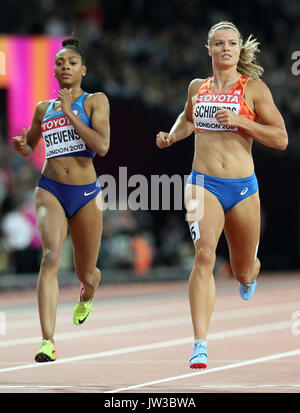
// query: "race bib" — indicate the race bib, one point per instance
point(61, 138)
point(206, 107)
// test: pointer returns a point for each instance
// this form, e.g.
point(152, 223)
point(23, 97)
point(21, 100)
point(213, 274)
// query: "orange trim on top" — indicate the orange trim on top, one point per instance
point(241, 83)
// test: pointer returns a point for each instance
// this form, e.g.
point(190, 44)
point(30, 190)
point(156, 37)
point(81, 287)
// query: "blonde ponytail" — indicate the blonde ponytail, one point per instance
point(247, 65)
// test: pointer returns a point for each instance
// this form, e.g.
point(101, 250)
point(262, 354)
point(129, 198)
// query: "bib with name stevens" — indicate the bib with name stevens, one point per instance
point(60, 137)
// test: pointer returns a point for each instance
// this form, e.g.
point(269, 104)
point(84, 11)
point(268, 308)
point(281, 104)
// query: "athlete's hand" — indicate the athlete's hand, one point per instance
point(20, 142)
point(227, 117)
point(163, 140)
point(65, 98)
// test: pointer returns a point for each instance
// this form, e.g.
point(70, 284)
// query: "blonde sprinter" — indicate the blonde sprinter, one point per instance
point(224, 112)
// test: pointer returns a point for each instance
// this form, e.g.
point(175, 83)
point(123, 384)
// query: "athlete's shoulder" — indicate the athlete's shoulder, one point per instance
point(43, 104)
point(256, 84)
point(258, 88)
point(98, 98)
point(195, 85)
point(98, 101)
point(41, 108)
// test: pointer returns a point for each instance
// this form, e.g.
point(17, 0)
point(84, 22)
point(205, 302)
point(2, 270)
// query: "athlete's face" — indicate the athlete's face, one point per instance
point(68, 67)
point(224, 48)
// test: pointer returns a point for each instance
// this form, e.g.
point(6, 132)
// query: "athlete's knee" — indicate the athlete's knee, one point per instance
point(246, 274)
point(50, 260)
point(90, 278)
point(243, 277)
point(97, 276)
point(205, 256)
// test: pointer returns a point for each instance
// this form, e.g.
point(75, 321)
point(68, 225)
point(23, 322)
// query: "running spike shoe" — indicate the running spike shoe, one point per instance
point(199, 356)
point(82, 309)
point(247, 290)
point(46, 353)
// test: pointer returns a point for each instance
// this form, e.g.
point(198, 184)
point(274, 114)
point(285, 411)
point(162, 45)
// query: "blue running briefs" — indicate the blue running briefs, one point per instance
point(71, 197)
point(228, 191)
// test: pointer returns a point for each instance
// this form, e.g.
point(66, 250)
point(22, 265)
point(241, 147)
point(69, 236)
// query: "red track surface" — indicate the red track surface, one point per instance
point(139, 338)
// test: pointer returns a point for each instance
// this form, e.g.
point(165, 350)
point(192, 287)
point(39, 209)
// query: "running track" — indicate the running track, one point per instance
point(139, 338)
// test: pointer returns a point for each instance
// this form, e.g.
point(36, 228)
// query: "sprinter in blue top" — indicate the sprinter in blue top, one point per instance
point(74, 127)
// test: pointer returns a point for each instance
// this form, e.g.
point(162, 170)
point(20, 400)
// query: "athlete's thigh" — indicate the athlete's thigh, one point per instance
point(85, 230)
point(51, 220)
point(242, 231)
point(208, 219)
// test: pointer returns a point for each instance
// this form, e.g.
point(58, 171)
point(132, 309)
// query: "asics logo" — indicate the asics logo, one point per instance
point(244, 191)
point(89, 193)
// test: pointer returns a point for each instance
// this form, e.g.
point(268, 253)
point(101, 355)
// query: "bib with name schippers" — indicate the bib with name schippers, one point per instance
point(207, 103)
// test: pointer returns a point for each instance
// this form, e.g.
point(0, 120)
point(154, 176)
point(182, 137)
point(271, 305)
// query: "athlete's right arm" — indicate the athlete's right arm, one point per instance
point(26, 143)
point(184, 125)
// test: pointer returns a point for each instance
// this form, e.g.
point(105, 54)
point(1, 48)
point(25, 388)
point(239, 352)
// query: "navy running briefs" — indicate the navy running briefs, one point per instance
point(71, 197)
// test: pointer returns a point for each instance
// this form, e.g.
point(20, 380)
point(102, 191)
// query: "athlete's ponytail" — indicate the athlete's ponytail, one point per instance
point(246, 64)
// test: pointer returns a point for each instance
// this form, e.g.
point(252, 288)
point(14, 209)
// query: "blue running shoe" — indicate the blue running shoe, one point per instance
point(199, 357)
point(246, 291)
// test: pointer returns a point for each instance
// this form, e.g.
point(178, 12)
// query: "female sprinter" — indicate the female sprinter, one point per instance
point(74, 127)
point(223, 111)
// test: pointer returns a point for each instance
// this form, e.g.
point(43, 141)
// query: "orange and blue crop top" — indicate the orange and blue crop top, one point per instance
point(207, 103)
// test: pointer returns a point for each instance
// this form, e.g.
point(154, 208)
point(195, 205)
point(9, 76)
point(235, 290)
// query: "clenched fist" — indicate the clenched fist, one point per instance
point(163, 140)
point(19, 144)
point(65, 98)
point(227, 118)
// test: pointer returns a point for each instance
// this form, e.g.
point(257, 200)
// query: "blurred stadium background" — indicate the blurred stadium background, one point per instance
point(142, 54)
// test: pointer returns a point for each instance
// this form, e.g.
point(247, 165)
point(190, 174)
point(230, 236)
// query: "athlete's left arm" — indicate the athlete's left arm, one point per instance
point(271, 132)
point(97, 137)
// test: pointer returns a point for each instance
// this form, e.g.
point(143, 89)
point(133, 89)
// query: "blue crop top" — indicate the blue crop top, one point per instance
point(60, 137)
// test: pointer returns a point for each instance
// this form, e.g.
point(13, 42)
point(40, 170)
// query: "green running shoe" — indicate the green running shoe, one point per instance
point(46, 353)
point(82, 310)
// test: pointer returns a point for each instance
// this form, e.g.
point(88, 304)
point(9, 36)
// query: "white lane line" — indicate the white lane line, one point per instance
point(247, 386)
point(34, 386)
point(162, 344)
point(98, 314)
point(206, 387)
point(123, 328)
point(208, 371)
point(104, 315)
point(220, 315)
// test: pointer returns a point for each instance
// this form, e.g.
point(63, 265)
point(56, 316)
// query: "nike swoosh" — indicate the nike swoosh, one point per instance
point(89, 193)
point(81, 321)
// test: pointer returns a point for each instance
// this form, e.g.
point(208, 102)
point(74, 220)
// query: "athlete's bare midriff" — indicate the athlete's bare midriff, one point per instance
point(223, 154)
point(70, 170)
